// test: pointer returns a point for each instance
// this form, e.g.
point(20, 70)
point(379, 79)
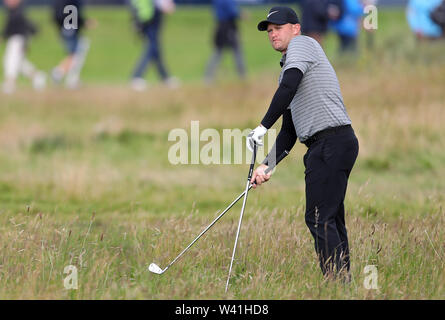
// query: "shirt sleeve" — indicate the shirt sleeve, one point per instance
point(285, 140)
point(300, 54)
point(283, 96)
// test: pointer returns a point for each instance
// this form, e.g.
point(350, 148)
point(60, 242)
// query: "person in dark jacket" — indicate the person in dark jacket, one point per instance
point(316, 15)
point(226, 36)
point(17, 30)
point(70, 21)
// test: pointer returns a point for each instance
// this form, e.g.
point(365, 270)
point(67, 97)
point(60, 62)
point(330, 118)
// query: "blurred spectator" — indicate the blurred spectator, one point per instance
point(226, 36)
point(148, 16)
point(16, 32)
point(316, 15)
point(438, 16)
point(348, 27)
point(419, 19)
point(69, 18)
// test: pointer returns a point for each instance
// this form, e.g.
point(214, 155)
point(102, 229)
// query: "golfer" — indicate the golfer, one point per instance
point(310, 101)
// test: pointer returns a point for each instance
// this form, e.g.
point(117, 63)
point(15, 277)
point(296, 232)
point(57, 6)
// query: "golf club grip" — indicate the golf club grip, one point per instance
point(269, 169)
point(281, 157)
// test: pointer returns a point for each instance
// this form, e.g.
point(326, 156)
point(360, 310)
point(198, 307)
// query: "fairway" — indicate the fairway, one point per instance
point(85, 178)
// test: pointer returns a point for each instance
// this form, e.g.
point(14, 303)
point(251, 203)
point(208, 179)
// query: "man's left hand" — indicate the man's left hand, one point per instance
point(255, 137)
point(259, 176)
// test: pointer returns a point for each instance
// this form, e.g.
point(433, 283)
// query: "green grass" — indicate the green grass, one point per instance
point(85, 178)
point(186, 41)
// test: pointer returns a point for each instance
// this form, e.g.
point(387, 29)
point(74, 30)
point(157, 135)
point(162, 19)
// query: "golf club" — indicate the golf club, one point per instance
point(249, 176)
point(154, 268)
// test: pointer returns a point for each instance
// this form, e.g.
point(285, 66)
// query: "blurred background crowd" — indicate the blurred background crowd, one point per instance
point(426, 19)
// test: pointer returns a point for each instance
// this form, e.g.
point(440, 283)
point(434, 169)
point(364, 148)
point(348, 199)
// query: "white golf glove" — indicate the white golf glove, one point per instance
point(255, 136)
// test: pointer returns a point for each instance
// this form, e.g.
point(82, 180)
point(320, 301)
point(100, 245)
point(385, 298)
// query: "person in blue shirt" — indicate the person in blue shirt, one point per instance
point(348, 27)
point(226, 36)
point(418, 14)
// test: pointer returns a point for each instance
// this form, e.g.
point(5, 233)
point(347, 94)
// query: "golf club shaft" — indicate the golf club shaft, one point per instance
point(248, 186)
point(207, 228)
point(237, 232)
point(282, 156)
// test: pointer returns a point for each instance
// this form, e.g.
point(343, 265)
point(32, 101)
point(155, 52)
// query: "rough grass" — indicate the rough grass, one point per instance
point(85, 181)
point(275, 257)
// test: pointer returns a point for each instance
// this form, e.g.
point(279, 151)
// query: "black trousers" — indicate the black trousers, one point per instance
point(328, 163)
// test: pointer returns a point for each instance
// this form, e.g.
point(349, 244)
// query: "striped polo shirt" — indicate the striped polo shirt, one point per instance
point(318, 103)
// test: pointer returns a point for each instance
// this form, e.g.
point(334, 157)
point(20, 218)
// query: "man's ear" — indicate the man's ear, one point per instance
point(297, 29)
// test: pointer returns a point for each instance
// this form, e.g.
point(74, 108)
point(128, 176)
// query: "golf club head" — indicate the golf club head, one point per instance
point(153, 267)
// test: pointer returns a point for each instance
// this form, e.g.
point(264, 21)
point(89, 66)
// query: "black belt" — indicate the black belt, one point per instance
point(325, 133)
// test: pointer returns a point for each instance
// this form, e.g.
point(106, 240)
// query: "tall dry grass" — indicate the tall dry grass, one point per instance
point(66, 155)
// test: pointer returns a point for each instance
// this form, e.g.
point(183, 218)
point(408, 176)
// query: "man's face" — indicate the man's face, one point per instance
point(281, 35)
point(12, 3)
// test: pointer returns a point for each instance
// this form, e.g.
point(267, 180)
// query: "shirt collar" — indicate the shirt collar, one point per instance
point(283, 60)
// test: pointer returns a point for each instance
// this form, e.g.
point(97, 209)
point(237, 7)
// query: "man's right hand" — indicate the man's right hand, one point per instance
point(259, 176)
